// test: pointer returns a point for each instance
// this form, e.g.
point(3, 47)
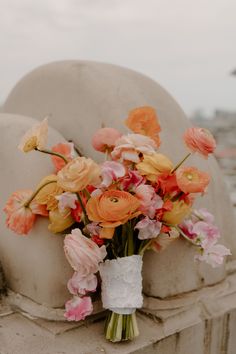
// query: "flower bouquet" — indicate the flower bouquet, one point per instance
point(112, 212)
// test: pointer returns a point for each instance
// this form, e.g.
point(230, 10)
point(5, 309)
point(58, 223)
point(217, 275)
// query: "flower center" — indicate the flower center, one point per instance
point(114, 199)
point(189, 177)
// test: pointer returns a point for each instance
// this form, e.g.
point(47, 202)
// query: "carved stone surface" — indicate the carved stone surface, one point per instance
point(82, 95)
point(34, 265)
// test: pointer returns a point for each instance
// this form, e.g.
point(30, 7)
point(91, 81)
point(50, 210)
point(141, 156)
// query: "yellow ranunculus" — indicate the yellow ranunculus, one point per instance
point(60, 221)
point(153, 165)
point(178, 213)
point(46, 195)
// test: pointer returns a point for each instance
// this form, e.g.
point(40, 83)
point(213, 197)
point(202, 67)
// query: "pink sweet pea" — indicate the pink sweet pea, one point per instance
point(66, 200)
point(111, 171)
point(214, 255)
point(148, 228)
point(202, 214)
point(129, 147)
point(81, 285)
point(150, 201)
point(78, 308)
point(104, 139)
point(207, 234)
point(132, 180)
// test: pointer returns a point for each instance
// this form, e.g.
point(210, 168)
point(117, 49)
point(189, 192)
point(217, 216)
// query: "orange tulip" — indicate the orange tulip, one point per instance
point(179, 211)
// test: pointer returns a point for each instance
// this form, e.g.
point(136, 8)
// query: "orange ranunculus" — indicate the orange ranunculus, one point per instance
point(65, 149)
point(191, 180)
point(154, 165)
point(112, 208)
point(179, 211)
point(143, 120)
point(35, 138)
point(60, 221)
point(200, 140)
point(46, 196)
point(106, 232)
point(20, 219)
point(78, 174)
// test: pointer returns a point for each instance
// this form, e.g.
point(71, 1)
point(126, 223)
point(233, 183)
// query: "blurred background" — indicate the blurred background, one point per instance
point(187, 46)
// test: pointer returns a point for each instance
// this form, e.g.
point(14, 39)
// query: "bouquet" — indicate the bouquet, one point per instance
point(112, 212)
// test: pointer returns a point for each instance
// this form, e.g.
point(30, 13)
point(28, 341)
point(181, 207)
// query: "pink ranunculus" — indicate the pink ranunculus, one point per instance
point(78, 308)
point(65, 149)
point(148, 228)
point(200, 140)
point(82, 285)
point(82, 253)
point(20, 219)
point(150, 201)
point(129, 147)
point(67, 200)
point(132, 180)
point(104, 139)
point(214, 255)
point(111, 171)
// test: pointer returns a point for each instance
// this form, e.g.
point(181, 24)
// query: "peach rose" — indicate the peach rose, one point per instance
point(112, 208)
point(143, 120)
point(35, 138)
point(82, 253)
point(65, 149)
point(179, 211)
point(154, 165)
point(191, 180)
point(47, 195)
point(78, 174)
point(104, 139)
point(200, 140)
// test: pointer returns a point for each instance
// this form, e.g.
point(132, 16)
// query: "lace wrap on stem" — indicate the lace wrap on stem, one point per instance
point(122, 284)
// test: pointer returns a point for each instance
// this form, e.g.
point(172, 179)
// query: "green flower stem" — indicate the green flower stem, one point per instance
point(145, 247)
point(121, 327)
point(45, 151)
point(83, 208)
point(86, 192)
point(180, 163)
point(27, 203)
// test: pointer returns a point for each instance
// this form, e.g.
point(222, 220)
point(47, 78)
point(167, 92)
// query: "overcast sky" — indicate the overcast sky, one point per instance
point(188, 46)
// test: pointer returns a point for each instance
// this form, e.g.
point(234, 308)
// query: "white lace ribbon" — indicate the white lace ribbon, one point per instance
point(122, 284)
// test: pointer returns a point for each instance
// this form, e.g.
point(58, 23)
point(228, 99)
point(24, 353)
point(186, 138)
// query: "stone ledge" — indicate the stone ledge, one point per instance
point(20, 335)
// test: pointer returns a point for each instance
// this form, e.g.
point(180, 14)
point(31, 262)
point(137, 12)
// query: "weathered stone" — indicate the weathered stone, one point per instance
point(82, 95)
point(34, 266)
